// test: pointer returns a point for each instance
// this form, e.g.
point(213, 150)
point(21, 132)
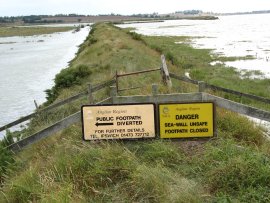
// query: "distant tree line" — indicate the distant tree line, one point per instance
point(152, 15)
point(189, 12)
point(9, 19)
point(38, 19)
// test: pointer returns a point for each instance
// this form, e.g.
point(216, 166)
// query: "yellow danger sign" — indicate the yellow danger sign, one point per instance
point(186, 120)
point(118, 121)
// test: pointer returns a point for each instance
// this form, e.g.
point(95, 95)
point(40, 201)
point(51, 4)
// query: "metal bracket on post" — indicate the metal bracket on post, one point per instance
point(202, 86)
point(90, 94)
point(113, 93)
point(165, 73)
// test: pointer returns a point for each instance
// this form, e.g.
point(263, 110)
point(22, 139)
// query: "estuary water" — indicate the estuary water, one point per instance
point(28, 66)
point(237, 35)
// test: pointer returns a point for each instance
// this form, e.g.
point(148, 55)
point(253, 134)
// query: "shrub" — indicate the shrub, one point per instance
point(71, 76)
point(67, 78)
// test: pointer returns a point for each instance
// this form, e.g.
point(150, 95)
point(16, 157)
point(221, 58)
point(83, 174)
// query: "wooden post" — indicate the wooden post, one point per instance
point(241, 98)
point(36, 105)
point(165, 73)
point(154, 89)
point(113, 93)
point(90, 94)
point(202, 86)
point(116, 81)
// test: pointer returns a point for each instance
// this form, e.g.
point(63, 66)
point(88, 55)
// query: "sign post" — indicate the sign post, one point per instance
point(130, 121)
point(192, 120)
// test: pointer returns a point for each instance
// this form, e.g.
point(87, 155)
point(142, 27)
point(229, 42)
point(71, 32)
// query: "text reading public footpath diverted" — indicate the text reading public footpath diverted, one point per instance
point(119, 122)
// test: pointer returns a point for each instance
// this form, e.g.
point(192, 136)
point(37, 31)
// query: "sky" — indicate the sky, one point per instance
point(125, 7)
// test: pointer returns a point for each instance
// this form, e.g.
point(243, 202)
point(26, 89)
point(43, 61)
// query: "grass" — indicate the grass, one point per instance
point(29, 31)
point(65, 169)
point(196, 62)
point(234, 167)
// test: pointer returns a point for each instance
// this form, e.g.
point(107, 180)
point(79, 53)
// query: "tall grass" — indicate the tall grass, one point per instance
point(153, 171)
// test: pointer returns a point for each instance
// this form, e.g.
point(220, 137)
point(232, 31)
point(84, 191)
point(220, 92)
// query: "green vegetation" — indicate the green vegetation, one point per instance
point(234, 167)
point(196, 62)
point(67, 78)
point(29, 31)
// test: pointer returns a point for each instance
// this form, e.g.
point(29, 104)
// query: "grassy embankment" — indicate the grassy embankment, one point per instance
point(63, 168)
point(29, 31)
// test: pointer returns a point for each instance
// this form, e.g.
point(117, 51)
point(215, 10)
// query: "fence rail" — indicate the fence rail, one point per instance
point(250, 96)
point(214, 87)
point(60, 103)
point(154, 98)
point(60, 125)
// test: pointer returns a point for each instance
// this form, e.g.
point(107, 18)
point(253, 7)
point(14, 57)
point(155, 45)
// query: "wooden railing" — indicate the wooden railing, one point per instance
point(88, 92)
point(154, 98)
point(204, 85)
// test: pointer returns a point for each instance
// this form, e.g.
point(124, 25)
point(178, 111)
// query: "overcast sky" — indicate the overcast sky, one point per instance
point(94, 7)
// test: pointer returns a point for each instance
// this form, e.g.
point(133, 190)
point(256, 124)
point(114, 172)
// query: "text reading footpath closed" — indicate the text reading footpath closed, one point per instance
point(186, 120)
point(118, 121)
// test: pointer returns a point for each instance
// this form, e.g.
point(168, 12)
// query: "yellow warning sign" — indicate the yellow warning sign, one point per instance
point(186, 120)
point(118, 121)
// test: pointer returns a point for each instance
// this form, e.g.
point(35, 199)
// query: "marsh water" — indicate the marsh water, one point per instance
point(28, 66)
point(236, 35)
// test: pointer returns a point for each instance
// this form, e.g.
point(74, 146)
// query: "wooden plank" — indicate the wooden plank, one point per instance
point(65, 101)
point(55, 105)
point(254, 97)
point(131, 88)
point(138, 72)
point(185, 79)
point(46, 132)
point(48, 108)
point(165, 73)
point(213, 87)
point(238, 108)
point(102, 85)
point(60, 125)
point(18, 121)
point(158, 98)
